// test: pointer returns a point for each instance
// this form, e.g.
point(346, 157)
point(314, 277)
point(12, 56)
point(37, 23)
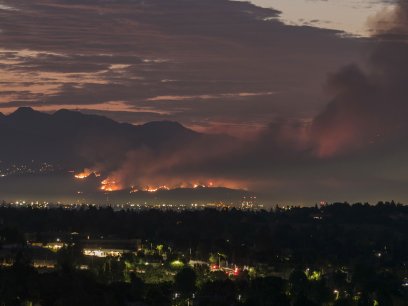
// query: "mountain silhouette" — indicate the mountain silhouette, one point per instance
point(75, 139)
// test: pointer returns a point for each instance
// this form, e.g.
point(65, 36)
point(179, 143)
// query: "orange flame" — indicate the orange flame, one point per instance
point(110, 185)
point(86, 173)
point(154, 188)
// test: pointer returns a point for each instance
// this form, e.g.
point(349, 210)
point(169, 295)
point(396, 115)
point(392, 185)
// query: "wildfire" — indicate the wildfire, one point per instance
point(114, 184)
point(153, 189)
point(86, 173)
point(110, 185)
point(133, 189)
point(201, 185)
point(149, 189)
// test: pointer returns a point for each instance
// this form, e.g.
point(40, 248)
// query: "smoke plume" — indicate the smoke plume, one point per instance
point(370, 106)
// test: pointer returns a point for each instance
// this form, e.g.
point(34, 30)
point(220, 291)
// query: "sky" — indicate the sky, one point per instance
point(313, 89)
point(350, 16)
point(137, 61)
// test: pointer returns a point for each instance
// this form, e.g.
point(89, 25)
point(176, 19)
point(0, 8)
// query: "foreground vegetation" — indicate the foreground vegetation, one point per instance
point(338, 254)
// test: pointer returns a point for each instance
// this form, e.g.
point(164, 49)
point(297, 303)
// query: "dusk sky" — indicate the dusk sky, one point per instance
point(314, 91)
point(207, 64)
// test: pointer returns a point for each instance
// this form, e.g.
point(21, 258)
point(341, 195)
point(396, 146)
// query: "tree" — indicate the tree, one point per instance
point(267, 291)
point(218, 293)
point(298, 282)
point(302, 300)
point(185, 282)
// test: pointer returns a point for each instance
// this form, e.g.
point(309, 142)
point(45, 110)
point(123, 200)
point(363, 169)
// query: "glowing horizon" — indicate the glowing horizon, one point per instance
point(350, 16)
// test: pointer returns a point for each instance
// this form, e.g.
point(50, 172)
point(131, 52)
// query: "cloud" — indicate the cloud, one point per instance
point(370, 105)
point(141, 63)
point(355, 145)
point(98, 52)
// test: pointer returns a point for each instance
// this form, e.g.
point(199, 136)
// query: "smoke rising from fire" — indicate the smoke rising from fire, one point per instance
point(182, 167)
point(368, 112)
point(186, 165)
point(370, 106)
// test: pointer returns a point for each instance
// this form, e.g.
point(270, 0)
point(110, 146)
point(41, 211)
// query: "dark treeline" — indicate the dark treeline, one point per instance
point(338, 254)
point(335, 232)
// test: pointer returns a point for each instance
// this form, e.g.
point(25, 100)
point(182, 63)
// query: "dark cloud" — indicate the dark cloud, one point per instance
point(370, 105)
point(227, 67)
point(96, 52)
point(355, 148)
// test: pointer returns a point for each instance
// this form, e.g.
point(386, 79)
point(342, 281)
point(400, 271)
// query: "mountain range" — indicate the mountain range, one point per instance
point(77, 140)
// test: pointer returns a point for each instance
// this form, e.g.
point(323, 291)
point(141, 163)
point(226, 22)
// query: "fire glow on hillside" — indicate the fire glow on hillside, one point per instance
point(86, 173)
point(112, 183)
